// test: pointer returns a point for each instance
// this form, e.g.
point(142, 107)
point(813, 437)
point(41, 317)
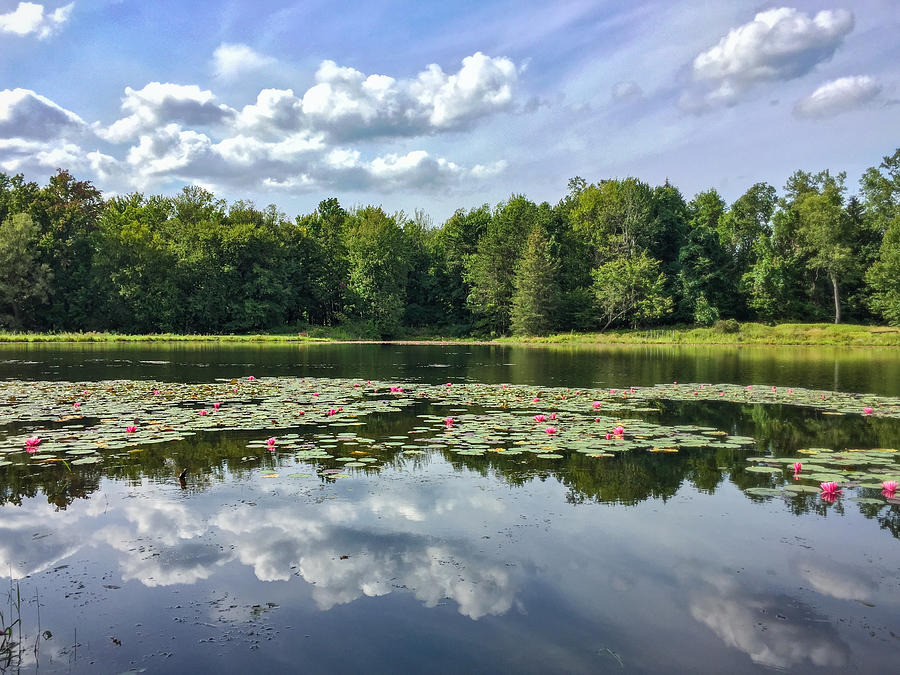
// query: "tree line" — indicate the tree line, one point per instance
point(615, 253)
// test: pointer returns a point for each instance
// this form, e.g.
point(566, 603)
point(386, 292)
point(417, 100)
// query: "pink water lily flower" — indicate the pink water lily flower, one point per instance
point(251, 378)
point(234, 390)
point(217, 405)
point(302, 412)
point(790, 391)
point(156, 392)
point(540, 418)
point(76, 404)
point(551, 430)
point(552, 416)
point(797, 467)
point(32, 443)
point(315, 393)
point(270, 441)
point(889, 485)
point(331, 412)
point(535, 399)
point(204, 412)
point(867, 411)
point(597, 419)
point(355, 385)
point(449, 422)
point(609, 437)
point(449, 384)
point(618, 431)
point(830, 490)
point(130, 429)
point(597, 404)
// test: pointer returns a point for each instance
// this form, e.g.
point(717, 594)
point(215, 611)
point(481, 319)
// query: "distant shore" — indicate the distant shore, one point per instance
point(725, 333)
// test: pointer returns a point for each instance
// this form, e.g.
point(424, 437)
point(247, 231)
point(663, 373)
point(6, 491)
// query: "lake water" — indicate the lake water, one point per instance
point(383, 538)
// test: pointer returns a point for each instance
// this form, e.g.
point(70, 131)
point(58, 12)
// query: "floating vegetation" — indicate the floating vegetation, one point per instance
point(328, 423)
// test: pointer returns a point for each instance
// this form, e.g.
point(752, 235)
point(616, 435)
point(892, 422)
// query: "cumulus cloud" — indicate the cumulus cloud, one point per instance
point(346, 104)
point(282, 141)
point(161, 103)
point(30, 18)
point(28, 115)
point(276, 111)
point(837, 96)
point(299, 162)
point(231, 61)
point(778, 44)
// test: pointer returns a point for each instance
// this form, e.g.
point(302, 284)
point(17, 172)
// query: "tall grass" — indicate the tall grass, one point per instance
point(723, 333)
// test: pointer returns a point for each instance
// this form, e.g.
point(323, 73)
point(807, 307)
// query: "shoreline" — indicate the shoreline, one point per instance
point(738, 334)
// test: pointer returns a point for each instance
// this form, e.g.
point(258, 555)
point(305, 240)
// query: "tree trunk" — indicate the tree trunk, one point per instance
point(837, 299)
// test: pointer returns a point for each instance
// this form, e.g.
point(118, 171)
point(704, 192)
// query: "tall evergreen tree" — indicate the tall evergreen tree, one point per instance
point(534, 301)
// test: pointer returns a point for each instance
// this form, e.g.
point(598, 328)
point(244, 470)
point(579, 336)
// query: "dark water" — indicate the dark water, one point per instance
point(651, 563)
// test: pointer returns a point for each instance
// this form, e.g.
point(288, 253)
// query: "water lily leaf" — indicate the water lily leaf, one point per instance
point(763, 492)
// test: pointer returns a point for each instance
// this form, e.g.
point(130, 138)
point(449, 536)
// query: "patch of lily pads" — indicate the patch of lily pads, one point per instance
point(322, 422)
point(862, 471)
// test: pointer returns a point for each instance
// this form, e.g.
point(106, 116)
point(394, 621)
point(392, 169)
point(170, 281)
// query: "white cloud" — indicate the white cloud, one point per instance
point(28, 115)
point(42, 158)
point(348, 104)
point(231, 61)
point(778, 44)
point(177, 132)
point(276, 111)
point(161, 103)
point(837, 96)
point(482, 85)
point(30, 18)
point(299, 162)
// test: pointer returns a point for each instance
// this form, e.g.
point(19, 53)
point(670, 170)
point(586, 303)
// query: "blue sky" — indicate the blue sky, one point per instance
point(440, 105)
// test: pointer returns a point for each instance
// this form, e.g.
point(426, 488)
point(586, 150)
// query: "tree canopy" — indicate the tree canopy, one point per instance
point(613, 253)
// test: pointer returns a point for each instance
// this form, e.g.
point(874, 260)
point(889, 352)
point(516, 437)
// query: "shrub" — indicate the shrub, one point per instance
point(727, 326)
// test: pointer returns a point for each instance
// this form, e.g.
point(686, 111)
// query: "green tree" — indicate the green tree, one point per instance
point(616, 218)
point(534, 301)
point(703, 263)
point(24, 280)
point(378, 270)
point(771, 283)
point(825, 232)
point(884, 276)
point(631, 288)
point(66, 211)
point(490, 271)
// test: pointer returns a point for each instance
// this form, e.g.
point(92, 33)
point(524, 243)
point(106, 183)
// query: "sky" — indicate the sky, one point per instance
point(438, 105)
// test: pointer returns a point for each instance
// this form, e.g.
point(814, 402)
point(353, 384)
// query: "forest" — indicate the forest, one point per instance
point(610, 254)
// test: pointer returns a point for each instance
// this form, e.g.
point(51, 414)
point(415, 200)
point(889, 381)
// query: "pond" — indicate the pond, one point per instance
point(448, 508)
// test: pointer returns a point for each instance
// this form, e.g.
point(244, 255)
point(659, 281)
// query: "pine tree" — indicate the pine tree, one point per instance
point(535, 298)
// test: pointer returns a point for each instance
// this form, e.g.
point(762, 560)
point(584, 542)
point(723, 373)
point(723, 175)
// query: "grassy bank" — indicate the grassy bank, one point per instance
point(154, 337)
point(725, 334)
point(733, 333)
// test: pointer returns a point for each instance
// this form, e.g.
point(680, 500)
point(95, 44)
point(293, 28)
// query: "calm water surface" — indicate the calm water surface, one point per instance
point(645, 563)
